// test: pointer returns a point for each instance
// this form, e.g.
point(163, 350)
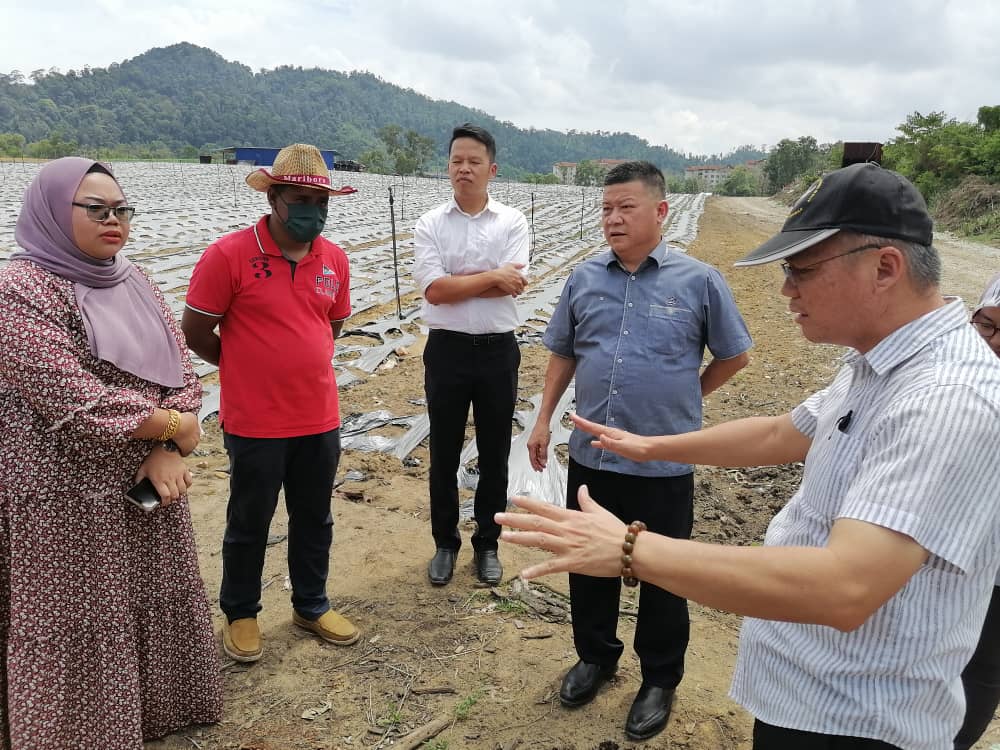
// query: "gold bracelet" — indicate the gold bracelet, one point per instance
point(628, 577)
point(173, 424)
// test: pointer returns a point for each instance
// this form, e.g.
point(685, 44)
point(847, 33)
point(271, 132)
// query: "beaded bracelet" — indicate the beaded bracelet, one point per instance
point(173, 424)
point(630, 536)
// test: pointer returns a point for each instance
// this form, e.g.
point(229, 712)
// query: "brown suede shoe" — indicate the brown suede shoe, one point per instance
point(241, 639)
point(331, 626)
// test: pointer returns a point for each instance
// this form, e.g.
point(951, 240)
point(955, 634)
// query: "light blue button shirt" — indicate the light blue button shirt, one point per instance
point(638, 339)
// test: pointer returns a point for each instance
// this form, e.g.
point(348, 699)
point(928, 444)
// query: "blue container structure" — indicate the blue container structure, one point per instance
point(260, 156)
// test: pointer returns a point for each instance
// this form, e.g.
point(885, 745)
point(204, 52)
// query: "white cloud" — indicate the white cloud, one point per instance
point(698, 75)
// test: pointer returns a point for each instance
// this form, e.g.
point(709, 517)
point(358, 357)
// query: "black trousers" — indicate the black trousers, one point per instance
point(462, 370)
point(666, 506)
point(305, 466)
point(981, 679)
point(770, 737)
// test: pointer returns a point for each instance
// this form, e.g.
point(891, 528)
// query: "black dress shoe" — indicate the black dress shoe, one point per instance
point(649, 713)
point(442, 566)
point(580, 684)
point(488, 567)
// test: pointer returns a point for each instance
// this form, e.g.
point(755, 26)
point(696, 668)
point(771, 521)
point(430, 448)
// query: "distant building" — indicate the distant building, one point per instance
point(566, 170)
point(709, 176)
point(260, 156)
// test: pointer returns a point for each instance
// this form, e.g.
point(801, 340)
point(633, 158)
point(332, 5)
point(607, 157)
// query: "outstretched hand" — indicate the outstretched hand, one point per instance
point(627, 444)
point(587, 541)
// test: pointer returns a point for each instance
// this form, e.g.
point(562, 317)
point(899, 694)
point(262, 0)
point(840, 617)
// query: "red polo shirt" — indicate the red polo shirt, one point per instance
point(276, 366)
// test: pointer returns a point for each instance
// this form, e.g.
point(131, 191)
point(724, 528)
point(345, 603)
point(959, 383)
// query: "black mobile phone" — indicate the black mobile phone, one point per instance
point(144, 495)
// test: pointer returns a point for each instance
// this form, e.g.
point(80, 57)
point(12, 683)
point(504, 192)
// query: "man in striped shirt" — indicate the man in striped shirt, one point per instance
point(866, 600)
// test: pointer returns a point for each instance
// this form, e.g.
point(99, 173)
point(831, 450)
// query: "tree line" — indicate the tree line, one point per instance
point(954, 164)
point(934, 151)
point(182, 100)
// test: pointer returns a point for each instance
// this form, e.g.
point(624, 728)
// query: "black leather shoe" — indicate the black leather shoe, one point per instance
point(442, 566)
point(649, 713)
point(488, 567)
point(580, 684)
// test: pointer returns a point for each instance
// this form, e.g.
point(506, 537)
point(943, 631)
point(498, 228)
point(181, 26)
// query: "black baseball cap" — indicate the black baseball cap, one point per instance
point(862, 198)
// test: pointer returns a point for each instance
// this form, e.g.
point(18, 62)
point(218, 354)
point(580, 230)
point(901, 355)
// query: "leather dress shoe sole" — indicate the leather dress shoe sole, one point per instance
point(650, 712)
point(581, 683)
point(442, 566)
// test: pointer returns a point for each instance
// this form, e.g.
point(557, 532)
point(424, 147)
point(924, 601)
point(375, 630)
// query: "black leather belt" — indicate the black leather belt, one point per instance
point(474, 339)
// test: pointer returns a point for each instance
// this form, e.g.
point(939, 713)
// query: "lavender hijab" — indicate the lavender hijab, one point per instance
point(124, 320)
point(991, 295)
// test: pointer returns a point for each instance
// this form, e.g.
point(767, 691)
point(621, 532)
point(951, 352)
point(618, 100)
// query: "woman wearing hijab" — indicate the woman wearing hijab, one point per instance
point(105, 633)
point(981, 677)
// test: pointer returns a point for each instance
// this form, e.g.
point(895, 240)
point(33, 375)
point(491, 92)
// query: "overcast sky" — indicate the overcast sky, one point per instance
point(701, 76)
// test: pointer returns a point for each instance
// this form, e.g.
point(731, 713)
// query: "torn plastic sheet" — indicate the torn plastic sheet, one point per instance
point(354, 427)
point(550, 483)
point(372, 357)
point(357, 424)
point(369, 443)
point(210, 399)
point(419, 429)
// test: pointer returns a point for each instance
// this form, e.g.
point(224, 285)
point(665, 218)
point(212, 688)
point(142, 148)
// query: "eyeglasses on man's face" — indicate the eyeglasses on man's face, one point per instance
point(795, 274)
point(99, 212)
point(986, 328)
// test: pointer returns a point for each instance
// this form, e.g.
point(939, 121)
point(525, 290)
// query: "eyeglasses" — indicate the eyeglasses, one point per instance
point(100, 213)
point(796, 273)
point(985, 328)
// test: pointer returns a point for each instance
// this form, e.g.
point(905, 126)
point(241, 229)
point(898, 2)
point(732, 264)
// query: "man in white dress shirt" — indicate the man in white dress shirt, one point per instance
point(471, 259)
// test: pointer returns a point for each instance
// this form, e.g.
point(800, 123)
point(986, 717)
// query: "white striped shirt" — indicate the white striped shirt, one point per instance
point(918, 456)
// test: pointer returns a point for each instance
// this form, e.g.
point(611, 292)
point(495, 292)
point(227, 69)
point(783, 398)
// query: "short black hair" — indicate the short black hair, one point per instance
point(643, 171)
point(468, 130)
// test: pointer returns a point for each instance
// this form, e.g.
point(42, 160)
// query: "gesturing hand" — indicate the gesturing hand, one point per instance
point(587, 541)
point(627, 444)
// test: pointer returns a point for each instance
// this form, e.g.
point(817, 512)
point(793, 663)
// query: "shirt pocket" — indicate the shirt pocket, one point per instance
point(834, 462)
point(671, 330)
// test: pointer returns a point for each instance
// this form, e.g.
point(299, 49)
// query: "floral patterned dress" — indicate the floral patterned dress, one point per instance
point(105, 633)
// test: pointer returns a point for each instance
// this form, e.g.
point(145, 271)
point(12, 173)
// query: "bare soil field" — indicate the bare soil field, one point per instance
point(485, 664)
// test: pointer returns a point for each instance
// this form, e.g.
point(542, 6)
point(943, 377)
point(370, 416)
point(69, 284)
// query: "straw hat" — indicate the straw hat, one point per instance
point(298, 164)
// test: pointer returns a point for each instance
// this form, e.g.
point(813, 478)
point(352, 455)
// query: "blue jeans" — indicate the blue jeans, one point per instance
point(305, 466)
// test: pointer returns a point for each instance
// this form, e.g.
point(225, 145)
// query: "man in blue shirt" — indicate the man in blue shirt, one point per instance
point(632, 325)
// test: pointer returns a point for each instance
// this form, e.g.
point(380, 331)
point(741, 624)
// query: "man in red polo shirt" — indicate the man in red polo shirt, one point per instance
point(279, 294)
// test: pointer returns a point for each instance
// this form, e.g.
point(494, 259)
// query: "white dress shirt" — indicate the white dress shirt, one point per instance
point(450, 242)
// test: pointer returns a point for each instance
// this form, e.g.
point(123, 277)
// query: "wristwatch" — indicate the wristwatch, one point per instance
point(171, 446)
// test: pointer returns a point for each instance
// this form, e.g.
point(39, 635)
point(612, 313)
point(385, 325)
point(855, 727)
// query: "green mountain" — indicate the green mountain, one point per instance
point(185, 96)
